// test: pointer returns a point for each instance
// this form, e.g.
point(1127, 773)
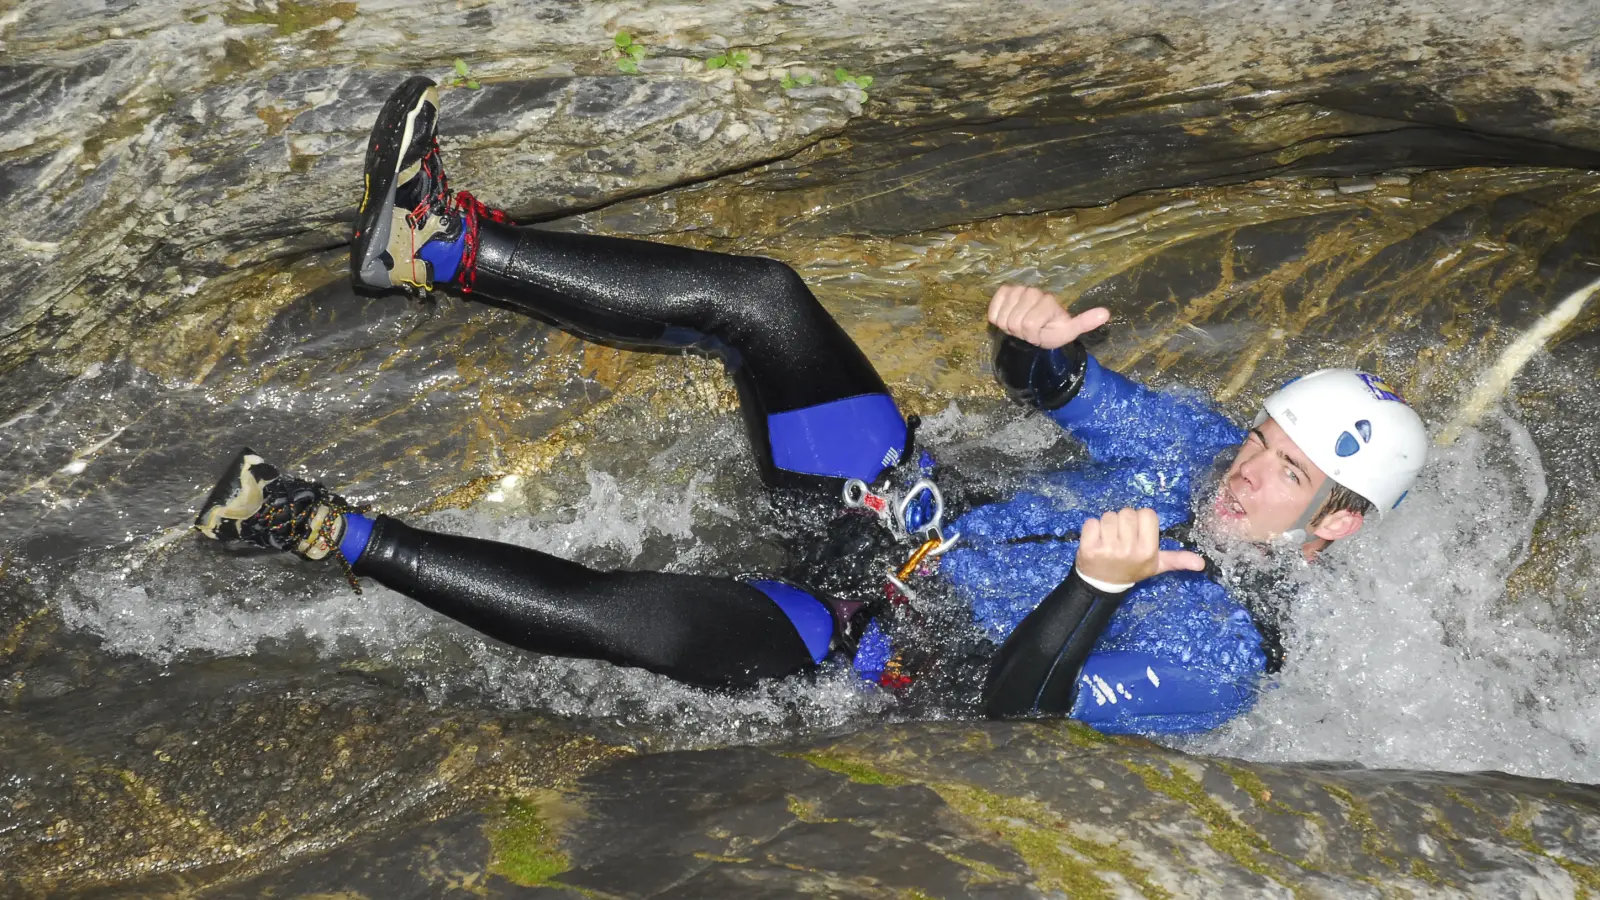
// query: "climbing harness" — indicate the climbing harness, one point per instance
point(905, 518)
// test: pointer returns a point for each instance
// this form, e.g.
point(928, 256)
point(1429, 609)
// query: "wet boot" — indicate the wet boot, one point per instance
point(254, 503)
point(407, 234)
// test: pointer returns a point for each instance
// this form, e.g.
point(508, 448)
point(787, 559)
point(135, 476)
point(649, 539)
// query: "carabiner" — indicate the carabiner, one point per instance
point(935, 519)
point(945, 543)
point(904, 589)
point(857, 495)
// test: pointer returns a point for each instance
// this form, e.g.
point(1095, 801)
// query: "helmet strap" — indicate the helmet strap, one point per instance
point(1298, 531)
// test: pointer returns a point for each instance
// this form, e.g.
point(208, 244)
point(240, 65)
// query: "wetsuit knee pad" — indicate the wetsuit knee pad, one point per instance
point(809, 615)
point(857, 437)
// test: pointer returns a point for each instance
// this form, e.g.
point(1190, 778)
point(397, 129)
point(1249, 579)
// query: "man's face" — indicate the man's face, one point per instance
point(1268, 486)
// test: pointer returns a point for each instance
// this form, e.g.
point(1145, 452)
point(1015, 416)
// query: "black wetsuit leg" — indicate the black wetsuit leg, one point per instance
point(815, 409)
point(711, 632)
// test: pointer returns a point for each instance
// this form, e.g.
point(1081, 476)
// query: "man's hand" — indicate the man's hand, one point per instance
point(1124, 547)
point(1038, 318)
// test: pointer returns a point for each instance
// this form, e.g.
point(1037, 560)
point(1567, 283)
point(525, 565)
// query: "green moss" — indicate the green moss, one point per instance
point(977, 741)
point(1422, 870)
point(1587, 877)
point(1082, 735)
point(1461, 799)
point(523, 847)
point(989, 873)
point(117, 129)
point(1059, 859)
point(1359, 816)
point(1442, 825)
point(1519, 828)
point(239, 57)
point(1251, 783)
point(806, 811)
point(291, 16)
point(719, 858)
point(1224, 833)
point(322, 41)
point(853, 769)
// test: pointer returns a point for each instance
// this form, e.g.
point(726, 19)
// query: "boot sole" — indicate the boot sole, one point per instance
point(391, 134)
point(239, 494)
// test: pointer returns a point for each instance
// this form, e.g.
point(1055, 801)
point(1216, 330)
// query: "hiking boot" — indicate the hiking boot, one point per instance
point(406, 203)
point(255, 504)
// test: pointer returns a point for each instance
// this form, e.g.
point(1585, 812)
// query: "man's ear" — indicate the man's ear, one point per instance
point(1341, 523)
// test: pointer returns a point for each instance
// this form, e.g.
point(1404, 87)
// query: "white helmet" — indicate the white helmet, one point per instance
point(1355, 428)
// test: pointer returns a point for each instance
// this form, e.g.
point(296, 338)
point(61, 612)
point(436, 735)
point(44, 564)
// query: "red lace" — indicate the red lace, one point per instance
point(471, 210)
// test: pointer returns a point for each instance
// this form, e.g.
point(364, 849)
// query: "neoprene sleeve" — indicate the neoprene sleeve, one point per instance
point(711, 632)
point(1033, 376)
point(1037, 669)
point(782, 348)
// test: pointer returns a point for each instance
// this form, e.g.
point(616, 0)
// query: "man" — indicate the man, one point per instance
point(1130, 635)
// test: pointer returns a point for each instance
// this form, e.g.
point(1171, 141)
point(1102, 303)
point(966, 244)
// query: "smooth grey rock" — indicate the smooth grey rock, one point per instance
point(976, 810)
point(251, 117)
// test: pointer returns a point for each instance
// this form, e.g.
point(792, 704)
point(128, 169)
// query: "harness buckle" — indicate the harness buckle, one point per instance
point(897, 514)
point(857, 495)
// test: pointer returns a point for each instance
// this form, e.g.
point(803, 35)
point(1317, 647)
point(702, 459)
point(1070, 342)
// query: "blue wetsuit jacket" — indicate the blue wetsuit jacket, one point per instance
point(1180, 655)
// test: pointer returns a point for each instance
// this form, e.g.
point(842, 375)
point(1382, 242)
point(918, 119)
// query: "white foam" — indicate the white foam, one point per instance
point(1403, 649)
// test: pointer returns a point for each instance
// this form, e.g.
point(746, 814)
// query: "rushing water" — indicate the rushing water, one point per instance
point(1404, 648)
point(1457, 634)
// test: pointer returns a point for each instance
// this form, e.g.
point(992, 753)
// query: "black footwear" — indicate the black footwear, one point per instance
point(406, 199)
point(256, 504)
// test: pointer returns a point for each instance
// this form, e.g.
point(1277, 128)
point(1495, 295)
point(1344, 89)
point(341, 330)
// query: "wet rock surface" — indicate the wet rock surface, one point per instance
point(929, 809)
point(121, 771)
point(161, 155)
point(178, 183)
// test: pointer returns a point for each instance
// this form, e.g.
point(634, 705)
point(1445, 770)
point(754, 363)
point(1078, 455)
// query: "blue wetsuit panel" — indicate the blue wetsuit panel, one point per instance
point(857, 437)
point(444, 256)
point(808, 614)
point(1125, 692)
point(357, 533)
point(872, 653)
point(1121, 420)
point(1095, 390)
point(1147, 449)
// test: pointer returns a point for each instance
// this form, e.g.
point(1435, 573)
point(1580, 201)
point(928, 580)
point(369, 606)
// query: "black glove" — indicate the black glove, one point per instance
point(1033, 376)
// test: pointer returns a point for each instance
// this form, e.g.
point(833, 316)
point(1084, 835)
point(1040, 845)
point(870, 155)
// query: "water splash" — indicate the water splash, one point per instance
point(1494, 382)
point(1404, 650)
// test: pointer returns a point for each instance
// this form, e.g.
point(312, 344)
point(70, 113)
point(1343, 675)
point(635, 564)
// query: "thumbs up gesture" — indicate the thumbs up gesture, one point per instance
point(1039, 318)
point(1124, 547)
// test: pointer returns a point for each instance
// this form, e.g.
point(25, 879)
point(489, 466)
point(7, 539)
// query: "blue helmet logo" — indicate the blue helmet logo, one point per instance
point(1347, 444)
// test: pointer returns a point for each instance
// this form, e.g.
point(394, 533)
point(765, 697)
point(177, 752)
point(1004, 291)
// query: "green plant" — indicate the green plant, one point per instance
point(856, 81)
point(463, 77)
point(733, 59)
point(628, 53)
point(790, 81)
